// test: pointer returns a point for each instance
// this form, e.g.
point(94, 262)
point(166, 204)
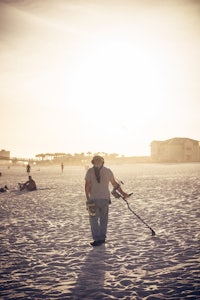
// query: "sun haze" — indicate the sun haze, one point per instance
point(106, 76)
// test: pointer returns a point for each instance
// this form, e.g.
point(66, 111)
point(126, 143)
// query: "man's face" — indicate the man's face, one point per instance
point(98, 162)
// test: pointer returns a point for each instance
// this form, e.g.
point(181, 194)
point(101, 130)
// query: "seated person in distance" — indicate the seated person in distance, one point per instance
point(29, 185)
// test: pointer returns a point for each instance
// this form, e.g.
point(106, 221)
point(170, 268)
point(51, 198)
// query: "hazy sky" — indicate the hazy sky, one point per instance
point(98, 75)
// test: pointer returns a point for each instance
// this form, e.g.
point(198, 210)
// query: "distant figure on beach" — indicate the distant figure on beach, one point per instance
point(4, 189)
point(29, 185)
point(28, 168)
point(62, 167)
point(97, 193)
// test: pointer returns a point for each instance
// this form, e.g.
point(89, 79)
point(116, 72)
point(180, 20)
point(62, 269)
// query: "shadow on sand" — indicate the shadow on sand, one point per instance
point(90, 282)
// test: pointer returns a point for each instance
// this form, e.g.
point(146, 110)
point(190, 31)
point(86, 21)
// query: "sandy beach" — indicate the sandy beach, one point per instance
point(45, 236)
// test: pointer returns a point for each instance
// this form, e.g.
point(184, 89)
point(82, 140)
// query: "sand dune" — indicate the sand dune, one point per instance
point(45, 236)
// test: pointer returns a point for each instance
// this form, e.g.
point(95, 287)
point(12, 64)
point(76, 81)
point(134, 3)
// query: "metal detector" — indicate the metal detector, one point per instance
point(118, 195)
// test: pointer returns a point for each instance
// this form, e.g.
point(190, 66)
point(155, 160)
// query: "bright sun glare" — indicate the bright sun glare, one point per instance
point(119, 74)
point(98, 76)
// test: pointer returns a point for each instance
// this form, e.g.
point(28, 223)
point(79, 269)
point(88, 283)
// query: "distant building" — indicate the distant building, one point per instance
point(4, 154)
point(175, 150)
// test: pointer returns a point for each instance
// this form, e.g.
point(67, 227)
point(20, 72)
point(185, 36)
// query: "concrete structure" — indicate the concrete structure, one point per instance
point(175, 150)
point(4, 154)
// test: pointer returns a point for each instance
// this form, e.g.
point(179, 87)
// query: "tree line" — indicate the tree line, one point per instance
point(85, 158)
point(73, 158)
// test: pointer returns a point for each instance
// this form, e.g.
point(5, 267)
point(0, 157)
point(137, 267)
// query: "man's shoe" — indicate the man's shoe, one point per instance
point(95, 243)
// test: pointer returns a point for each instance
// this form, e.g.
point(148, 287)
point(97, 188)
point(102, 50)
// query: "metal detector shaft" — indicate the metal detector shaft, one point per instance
point(152, 231)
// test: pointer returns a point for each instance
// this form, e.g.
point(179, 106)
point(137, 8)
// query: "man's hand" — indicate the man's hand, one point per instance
point(125, 195)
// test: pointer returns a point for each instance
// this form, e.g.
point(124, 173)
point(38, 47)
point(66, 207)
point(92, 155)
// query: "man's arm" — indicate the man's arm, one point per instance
point(87, 189)
point(117, 187)
point(27, 182)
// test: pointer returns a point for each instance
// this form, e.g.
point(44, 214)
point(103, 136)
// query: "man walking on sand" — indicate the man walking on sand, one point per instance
point(97, 193)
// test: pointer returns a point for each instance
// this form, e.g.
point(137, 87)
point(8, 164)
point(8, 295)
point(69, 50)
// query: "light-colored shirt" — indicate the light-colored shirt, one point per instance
point(99, 190)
